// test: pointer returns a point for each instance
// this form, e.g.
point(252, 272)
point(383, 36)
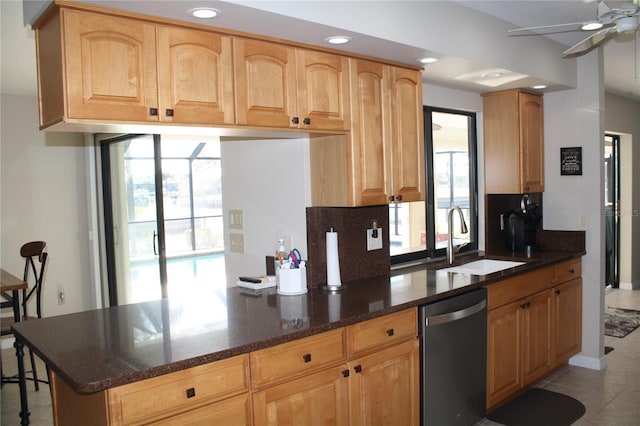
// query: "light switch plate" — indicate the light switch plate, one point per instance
point(236, 219)
point(374, 243)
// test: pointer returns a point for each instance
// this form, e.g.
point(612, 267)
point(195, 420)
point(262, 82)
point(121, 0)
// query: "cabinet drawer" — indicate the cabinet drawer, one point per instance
point(176, 392)
point(518, 287)
point(298, 357)
point(234, 411)
point(567, 271)
point(381, 332)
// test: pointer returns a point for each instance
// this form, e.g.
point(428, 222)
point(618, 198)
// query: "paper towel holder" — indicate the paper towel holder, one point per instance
point(334, 281)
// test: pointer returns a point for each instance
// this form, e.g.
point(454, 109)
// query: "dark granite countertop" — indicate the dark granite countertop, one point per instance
point(99, 349)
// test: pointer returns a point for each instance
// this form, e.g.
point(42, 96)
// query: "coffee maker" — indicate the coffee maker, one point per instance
point(520, 226)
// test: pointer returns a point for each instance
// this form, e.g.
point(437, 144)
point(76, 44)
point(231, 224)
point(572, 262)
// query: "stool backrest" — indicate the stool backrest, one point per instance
point(35, 256)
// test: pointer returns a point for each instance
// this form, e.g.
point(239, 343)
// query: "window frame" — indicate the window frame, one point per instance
point(431, 251)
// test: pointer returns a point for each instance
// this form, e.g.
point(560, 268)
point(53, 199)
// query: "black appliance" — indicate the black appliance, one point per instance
point(453, 363)
point(520, 226)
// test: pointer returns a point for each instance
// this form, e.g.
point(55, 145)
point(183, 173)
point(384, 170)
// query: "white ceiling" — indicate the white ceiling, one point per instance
point(18, 46)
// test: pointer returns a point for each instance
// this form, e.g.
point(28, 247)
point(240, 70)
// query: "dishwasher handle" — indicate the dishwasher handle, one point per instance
point(456, 315)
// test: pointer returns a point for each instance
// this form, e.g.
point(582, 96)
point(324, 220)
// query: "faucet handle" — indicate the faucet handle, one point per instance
point(456, 249)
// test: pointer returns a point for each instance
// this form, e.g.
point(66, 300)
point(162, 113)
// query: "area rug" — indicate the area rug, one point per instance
point(619, 322)
point(538, 407)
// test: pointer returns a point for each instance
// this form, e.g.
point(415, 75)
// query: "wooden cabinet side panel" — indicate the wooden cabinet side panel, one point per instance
point(567, 333)
point(265, 88)
point(384, 387)
point(501, 147)
point(71, 408)
point(370, 158)
point(532, 142)
point(407, 142)
point(323, 90)
point(329, 162)
point(195, 76)
point(110, 66)
point(50, 72)
point(503, 353)
point(319, 398)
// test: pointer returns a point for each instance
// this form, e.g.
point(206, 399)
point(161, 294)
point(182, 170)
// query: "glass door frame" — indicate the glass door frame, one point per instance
point(109, 219)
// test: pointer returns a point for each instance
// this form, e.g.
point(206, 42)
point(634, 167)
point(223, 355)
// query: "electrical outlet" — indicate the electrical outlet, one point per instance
point(236, 242)
point(61, 296)
point(374, 239)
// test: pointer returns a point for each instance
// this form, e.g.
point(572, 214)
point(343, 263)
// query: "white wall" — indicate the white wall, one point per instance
point(268, 180)
point(622, 119)
point(42, 193)
point(576, 118)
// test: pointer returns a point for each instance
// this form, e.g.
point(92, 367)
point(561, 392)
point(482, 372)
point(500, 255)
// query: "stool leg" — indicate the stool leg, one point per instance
point(24, 405)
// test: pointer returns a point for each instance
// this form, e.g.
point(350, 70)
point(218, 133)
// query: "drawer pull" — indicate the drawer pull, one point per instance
point(357, 368)
point(390, 332)
point(169, 112)
point(191, 392)
point(295, 120)
point(153, 111)
point(345, 373)
point(306, 121)
point(573, 271)
point(525, 305)
point(306, 357)
point(557, 291)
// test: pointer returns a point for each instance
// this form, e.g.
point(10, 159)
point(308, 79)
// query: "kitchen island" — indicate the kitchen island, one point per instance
point(93, 351)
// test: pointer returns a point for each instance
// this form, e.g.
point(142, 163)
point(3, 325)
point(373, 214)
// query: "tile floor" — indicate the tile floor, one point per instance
point(611, 397)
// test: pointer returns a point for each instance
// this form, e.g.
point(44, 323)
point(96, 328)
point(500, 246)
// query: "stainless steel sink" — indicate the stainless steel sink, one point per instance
point(483, 267)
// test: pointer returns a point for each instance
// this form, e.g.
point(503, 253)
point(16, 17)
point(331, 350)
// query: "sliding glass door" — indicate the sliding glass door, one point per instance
point(163, 217)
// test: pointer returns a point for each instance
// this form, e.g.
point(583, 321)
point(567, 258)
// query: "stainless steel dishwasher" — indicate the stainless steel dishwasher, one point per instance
point(453, 334)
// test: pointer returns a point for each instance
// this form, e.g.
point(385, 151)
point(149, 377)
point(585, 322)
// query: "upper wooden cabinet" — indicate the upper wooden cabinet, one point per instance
point(99, 67)
point(282, 86)
point(382, 160)
point(513, 142)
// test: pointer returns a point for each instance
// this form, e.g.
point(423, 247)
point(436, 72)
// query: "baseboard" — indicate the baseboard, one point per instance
point(630, 286)
point(589, 362)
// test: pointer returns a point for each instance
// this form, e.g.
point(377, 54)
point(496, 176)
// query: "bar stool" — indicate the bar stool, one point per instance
point(35, 256)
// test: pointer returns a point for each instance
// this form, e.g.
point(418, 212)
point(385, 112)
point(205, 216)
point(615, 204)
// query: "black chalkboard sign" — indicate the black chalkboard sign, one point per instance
point(571, 161)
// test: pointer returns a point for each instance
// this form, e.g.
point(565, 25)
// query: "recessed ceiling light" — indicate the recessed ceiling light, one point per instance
point(491, 75)
point(539, 86)
point(338, 39)
point(428, 60)
point(204, 12)
point(590, 26)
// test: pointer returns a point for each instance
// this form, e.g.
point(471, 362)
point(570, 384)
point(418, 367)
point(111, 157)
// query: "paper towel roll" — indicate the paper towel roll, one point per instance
point(333, 260)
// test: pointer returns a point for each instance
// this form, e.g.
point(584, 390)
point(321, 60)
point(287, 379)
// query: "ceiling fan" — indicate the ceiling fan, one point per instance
point(610, 20)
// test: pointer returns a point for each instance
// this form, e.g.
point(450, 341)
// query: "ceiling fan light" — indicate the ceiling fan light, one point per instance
point(591, 26)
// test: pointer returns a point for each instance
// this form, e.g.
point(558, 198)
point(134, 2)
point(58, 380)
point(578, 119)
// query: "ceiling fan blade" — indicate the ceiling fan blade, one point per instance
point(541, 27)
point(590, 42)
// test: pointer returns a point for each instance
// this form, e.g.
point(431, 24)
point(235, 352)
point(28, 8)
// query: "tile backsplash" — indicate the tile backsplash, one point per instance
point(351, 224)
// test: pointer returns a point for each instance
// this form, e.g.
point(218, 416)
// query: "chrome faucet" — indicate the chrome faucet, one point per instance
point(451, 250)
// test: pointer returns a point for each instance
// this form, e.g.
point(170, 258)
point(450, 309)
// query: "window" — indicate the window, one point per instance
point(419, 229)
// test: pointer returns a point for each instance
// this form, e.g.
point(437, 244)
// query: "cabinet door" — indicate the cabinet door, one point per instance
point(319, 398)
point(110, 67)
point(532, 143)
point(407, 138)
point(536, 359)
point(503, 352)
point(370, 133)
point(195, 77)
point(384, 387)
point(265, 83)
point(567, 311)
point(323, 90)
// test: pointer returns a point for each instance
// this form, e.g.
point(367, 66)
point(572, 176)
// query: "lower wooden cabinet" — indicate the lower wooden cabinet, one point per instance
point(319, 398)
point(384, 387)
point(534, 325)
